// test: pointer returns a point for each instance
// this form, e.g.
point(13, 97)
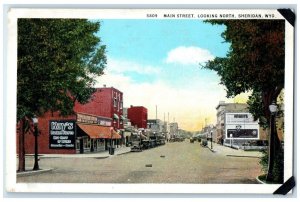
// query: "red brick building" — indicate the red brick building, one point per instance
point(138, 116)
point(93, 127)
point(105, 102)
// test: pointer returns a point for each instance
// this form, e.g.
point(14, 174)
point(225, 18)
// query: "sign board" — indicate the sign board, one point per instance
point(85, 118)
point(62, 134)
point(241, 126)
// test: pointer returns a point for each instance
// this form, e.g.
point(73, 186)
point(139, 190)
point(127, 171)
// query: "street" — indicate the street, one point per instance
point(178, 162)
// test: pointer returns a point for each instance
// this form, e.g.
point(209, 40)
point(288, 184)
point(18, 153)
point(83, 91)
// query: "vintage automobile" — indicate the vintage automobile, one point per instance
point(136, 146)
point(192, 140)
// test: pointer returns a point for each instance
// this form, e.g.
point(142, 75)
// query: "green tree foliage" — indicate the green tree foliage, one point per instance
point(57, 62)
point(255, 62)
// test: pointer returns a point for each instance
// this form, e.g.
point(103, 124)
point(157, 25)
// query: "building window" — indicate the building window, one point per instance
point(115, 102)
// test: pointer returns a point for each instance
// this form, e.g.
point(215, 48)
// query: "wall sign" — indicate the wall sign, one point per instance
point(85, 118)
point(62, 134)
point(241, 126)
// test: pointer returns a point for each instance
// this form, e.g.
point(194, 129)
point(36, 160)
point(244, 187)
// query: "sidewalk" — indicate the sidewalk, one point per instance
point(98, 155)
point(233, 152)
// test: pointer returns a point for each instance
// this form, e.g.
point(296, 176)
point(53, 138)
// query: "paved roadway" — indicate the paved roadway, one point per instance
point(178, 162)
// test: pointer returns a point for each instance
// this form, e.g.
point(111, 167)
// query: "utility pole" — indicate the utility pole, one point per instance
point(156, 112)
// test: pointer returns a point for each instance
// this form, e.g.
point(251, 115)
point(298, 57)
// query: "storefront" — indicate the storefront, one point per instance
point(78, 133)
point(91, 138)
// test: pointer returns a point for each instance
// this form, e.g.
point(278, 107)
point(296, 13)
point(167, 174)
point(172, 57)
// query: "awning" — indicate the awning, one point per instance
point(116, 116)
point(95, 131)
point(112, 135)
point(122, 117)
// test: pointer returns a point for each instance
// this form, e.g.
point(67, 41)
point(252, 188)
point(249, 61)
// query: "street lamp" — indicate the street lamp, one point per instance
point(36, 133)
point(273, 109)
point(211, 145)
point(111, 136)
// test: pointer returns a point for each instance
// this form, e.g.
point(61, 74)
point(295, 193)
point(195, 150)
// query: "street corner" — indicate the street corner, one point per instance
point(34, 172)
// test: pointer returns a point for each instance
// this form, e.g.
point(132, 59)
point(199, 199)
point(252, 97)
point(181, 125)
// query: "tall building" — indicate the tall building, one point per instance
point(105, 102)
point(138, 116)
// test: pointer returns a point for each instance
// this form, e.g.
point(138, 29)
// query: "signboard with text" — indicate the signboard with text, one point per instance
point(85, 118)
point(241, 126)
point(62, 134)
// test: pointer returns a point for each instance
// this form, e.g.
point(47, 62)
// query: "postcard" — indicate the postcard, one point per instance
point(149, 101)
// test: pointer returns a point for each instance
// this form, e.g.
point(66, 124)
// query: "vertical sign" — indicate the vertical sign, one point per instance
point(62, 134)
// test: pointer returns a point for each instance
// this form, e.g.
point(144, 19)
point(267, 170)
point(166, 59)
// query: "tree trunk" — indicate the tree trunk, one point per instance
point(21, 145)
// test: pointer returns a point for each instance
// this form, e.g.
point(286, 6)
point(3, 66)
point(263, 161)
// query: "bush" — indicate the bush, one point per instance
point(278, 171)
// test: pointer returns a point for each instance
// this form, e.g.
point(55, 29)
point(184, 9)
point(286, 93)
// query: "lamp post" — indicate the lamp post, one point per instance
point(211, 144)
point(111, 136)
point(36, 133)
point(273, 110)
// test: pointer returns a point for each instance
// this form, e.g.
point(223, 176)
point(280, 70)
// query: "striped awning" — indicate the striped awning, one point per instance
point(116, 116)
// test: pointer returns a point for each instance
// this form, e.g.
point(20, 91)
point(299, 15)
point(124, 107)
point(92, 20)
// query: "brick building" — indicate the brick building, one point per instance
point(93, 127)
point(138, 116)
point(105, 102)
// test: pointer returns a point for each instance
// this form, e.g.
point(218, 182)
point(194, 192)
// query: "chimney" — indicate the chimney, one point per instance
point(104, 85)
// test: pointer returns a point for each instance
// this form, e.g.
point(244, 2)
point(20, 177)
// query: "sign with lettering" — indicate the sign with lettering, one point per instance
point(242, 133)
point(241, 126)
point(85, 118)
point(62, 134)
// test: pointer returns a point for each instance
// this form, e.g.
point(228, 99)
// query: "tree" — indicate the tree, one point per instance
point(254, 62)
point(58, 60)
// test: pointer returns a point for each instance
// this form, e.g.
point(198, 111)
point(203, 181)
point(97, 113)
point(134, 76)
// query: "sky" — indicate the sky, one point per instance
point(158, 63)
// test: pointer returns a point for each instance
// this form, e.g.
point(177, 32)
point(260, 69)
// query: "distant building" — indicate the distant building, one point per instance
point(138, 116)
point(173, 129)
point(235, 125)
point(156, 125)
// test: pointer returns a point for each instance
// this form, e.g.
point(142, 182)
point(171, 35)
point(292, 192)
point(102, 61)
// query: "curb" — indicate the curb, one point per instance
point(259, 181)
point(229, 155)
point(123, 153)
point(99, 157)
point(33, 172)
point(212, 150)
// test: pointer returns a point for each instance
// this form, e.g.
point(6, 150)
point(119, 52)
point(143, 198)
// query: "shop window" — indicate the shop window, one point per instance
point(86, 143)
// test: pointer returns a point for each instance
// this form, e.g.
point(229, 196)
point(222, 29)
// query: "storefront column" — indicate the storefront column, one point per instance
point(81, 150)
point(105, 143)
point(92, 145)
